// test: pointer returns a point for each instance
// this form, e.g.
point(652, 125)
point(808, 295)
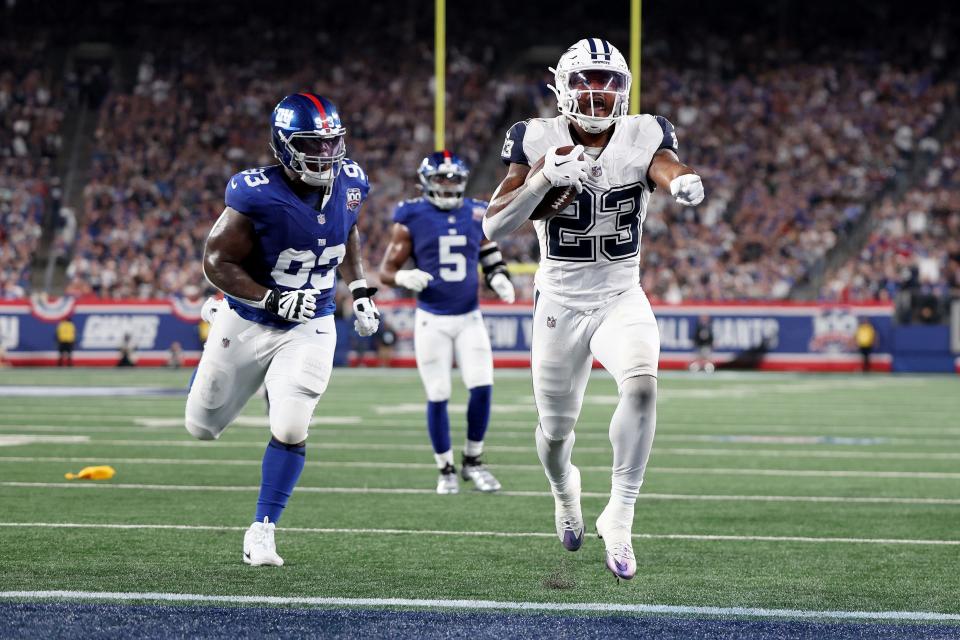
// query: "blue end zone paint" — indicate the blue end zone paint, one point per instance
point(43, 620)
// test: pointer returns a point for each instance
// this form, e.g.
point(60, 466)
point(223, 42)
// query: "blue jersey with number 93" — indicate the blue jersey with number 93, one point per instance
point(299, 244)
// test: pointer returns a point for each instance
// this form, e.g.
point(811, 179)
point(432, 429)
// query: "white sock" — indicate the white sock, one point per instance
point(631, 434)
point(473, 448)
point(443, 459)
point(555, 457)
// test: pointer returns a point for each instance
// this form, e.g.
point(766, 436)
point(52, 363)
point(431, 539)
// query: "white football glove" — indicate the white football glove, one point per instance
point(208, 312)
point(566, 170)
point(413, 279)
point(688, 189)
point(366, 317)
point(501, 284)
point(296, 306)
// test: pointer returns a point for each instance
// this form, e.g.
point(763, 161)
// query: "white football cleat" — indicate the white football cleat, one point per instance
point(620, 559)
point(476, 472)
point(447, 483)
point(567, 513)
point(259, 547)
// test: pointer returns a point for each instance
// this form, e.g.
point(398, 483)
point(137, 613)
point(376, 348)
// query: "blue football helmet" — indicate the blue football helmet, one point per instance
point(307, 137)
point(443, 177)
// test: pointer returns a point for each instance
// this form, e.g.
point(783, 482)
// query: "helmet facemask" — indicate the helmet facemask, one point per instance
point(315, 156)
point(444, 189)
point(592, 97)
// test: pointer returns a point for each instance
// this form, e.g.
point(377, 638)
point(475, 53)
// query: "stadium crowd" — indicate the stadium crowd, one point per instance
point(793, 147)
point(30, 122)
point(913, 253)
point(166, 149)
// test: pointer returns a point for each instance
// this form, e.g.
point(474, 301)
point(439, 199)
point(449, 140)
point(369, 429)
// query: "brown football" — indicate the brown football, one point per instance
point(557, 198)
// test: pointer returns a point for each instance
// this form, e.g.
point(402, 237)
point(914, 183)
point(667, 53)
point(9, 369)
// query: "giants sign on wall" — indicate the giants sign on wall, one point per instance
point(791, 336)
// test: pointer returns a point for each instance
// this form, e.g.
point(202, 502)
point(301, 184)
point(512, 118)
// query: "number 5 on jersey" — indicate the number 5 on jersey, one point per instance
point(453, 266)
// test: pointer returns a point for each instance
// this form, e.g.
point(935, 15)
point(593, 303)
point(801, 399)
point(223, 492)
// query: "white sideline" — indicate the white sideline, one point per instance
point(756, 612)
point(483, 534)
point(515, 494)
point(801, 473)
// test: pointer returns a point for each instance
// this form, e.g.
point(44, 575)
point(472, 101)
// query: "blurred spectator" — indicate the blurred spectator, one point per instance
point(127, 352)
point(66, 338)
point(386, 340)
point(866, 338)
point(175, 356)
point(703, 343)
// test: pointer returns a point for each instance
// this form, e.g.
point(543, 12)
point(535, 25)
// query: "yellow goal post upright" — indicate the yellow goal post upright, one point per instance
point(439, 74)
point(636, 9)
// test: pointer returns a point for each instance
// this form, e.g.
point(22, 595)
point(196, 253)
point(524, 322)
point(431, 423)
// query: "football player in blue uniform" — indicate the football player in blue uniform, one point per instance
point(274, 251)
point(442, 233)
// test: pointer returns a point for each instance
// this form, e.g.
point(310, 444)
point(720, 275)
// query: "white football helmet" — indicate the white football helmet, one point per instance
point(572, 78)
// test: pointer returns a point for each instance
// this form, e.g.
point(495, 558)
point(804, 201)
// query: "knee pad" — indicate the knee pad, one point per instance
point(290, 416)
point(199, 431)
point(212, 386)
point(556, 427)
point(640, 392)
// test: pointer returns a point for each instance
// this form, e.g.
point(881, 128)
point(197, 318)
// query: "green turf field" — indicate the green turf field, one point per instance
point(823, 493)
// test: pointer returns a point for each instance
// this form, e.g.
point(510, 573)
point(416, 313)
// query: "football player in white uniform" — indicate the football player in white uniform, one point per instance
point(589, 302)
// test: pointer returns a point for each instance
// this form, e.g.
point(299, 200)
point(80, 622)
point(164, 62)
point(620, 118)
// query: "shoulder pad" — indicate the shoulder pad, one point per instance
point(669, 134)
point(512, 152)
point(245, 191)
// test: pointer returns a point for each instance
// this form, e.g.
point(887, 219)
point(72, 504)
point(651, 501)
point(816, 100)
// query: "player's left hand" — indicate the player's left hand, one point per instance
point(501, 284)
point(687, 189)
point(366, 316)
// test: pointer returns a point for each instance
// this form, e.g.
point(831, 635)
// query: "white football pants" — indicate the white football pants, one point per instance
point(437, 339)
point(241, 355)
point(623, 335)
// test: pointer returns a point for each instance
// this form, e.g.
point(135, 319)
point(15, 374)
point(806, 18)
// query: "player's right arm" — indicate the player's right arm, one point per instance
point(396, 255)
point(517, 196)
point(231, 241)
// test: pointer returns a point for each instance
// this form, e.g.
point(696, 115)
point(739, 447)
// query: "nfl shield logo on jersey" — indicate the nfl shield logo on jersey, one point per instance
point(596, 171)
point(353, 198)
point(551, 322)
point(321, 219)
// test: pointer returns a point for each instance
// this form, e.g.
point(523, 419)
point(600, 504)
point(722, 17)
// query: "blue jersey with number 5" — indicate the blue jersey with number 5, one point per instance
point(446, 244)
point(299, 244)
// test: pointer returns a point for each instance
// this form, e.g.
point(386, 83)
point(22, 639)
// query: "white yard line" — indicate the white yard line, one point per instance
point(814, 473)
point(374, 446)
point(412, 603)
point(513, 494)
point(417, 428)
point(485, 534)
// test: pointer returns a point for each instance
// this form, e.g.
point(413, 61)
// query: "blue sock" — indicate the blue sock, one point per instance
point(438, 424)
point(478, 412)
point(282, 464)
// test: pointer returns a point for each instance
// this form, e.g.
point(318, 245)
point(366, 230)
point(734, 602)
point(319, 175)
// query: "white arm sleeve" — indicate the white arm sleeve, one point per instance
point(518, 211)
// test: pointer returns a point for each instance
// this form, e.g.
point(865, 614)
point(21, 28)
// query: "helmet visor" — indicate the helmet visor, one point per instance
point(597, 80)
